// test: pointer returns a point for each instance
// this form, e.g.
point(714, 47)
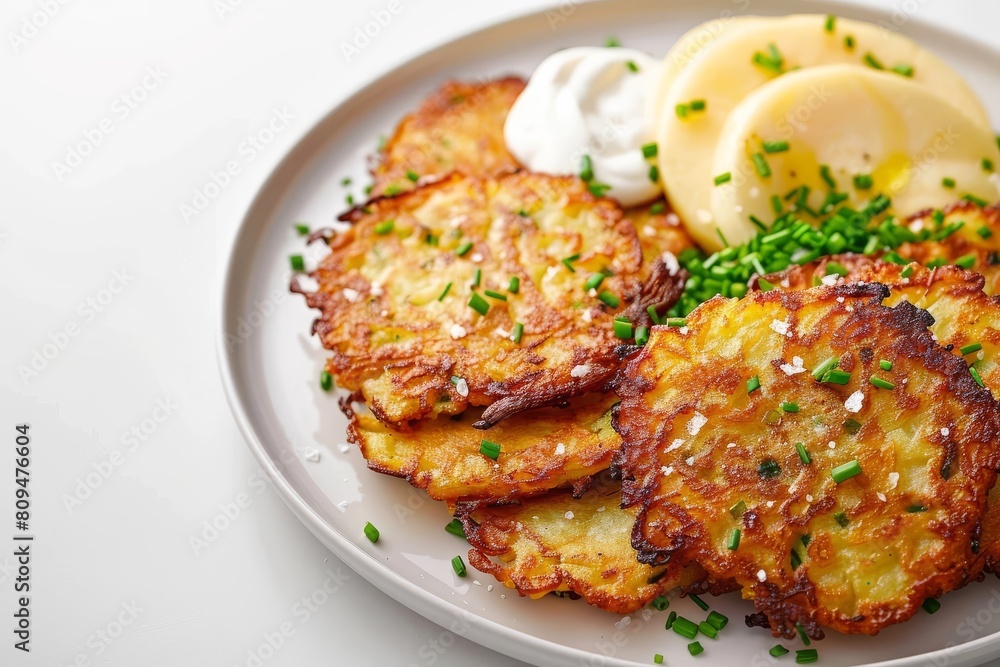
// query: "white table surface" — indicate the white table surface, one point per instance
point(134, 449)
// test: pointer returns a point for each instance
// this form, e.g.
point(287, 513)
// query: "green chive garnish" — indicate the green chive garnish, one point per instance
point(670, 620)
point(447, 288)
point(987, 164)
point(371, 532)
point(738, 509)
point(654, 173)
point(594, 281)
point(881, 384)
point(803, 454)
point(806, 656)
point(412, 175)
point(677, 321)
point(931, 605)
point(760, 164)
point(824, 173)
point(660, 603)
point(650, 150)
point(682, 110)
point(623, 328)
point(831, 22)
point(802, 634)
point(302, 228)
point(975, 376)
point(966, 261)
point(984, 232)
point(948, 182)
point(326, 381)
point(698, 601)
point(464, 248)
point(753, 384)
point(586, 169)
point(658, 659)
point(459, 566)
point(612, 42)
point(515, 285)
point(790, 407)
point(697, 105)
point(479, 304)
point(778, 650)
point(846, 471)
point(916, 509)
point(455, 528)
point(657, 208)
point(970, 348)
point(641, 335)
point(903, 70)
point(769, 469)
point(885, 365)
point(632, 67)
point(695, 648)
point(841, 519)
point(477, 277)
point(775, 146)
point(764, 286)
point(495, 295)
point(518, 332)
point(907, 272)
point(717, 620)
point(723, 178)
point(849, 42)
point(734, 539)
point(824, 368)
point(609, 299)
point(490, 449)
point(708, 630)
point(836, 377)
point(684, 627)
point(872, 61)
point(863, 181)
point(385, 227)
point(598, 189)
point(298, 264)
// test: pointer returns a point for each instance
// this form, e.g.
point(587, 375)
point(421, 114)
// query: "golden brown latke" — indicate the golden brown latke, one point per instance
point(557, 542)
point(396, 288)
point(457, 129)
point(697, 443)
point(540, 449)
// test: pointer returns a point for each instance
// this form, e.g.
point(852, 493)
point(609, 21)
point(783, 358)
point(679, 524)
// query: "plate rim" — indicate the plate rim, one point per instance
point(483, 631)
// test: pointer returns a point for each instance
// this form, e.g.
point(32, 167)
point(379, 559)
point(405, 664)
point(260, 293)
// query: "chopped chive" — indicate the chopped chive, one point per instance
point(948, 182)
point(831, 22)
point(836, 377)
point(970, 348)
point(479, 304)
point(654, 317)
point(658, 659)
point(734, 539)
point(349, 199)
point(412, 175)
point(723, 178)
point(297, 263)
point(760, 164)
point(824, 368)
point(609, 299)
point(717, 620)
point(477, 277)
point(455, 528)
point(431, 239)
point(975, 376)
point(916, 509)
point(447, 288)
point(345, 182)
point(661, 602)
point(803, 454)
point(684, 627)
point(385, 227)
point(775, 146)
point(846, 471)
point(302, 228)
point(623, 328)
point(682, 110)
point(778, 650)
point(987, 164)
point(515, 285)
point(459, 566)
point(326, 381)
point(931, 605)
point(670, 620)
point(649, 150)
point(966, 261)
point(490, 449)
point(802, 634)
point(806, 656)
point(872, 61)
point(881, 384)
point(641, 335)
point(612, 42)
point(495, 295)
point(698, 601)
point(632, 67)
point(984, 232)
point(764, 285)
point(753, 384)
point(907, 272)
point(697, 105)
point(586, 169)
point(677, 321)
point(852, 426)
point(371, 532)
point(518, 332)
point(598, 189)
point(863, 181)
point(841, 519)
point(885, 365)
point(463, 249)
point(695, 648)
point(769, 469)
point(737, 510)
point(981, 203)
point(594, 281)
point(776, 204)
point(796, 560)
point(708, 630)
point(849, 42)
point(824, 173)
point(790, 407)
point(657, 208)
point(904, 70)
point(654, 173)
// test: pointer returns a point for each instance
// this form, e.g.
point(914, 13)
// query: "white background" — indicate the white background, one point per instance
point(109, 230)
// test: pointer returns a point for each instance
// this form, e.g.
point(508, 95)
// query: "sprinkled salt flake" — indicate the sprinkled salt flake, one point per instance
point(503, 597)
point(550, 272)
point(670, 261)
point(489, 589)
point(352, 295)
point(648, 230)
point(667, 470)
point(893, 480)
point(601, 508)
point(586, 316)
point(880, 496)
point(503, 333)
point(569, 514)
point(809, 498)
point(592, 293)
point(385, 313)
point(689, 460)
point(342, 505)
point(683, 331)
point(854, 402)
point(496, 466)
point(779, 327)
point(738, 209)
point(945, 432)
point(476, 582)
point(754, 192)
point(704, 217)
point(518, 526)
point(840, 299)
point(786, 283)
point(731, 445)
point(830, 280)
point(580, 371)
point(462, 387)
point(377, 289)
point(535, 518)
point(458, 331)
point(832, 444)
point(624, 622)
point(476, 257)
point(308, 283)
point(770, 504)
point(312, 455)
point(793, 368)
point(673, 445)
point(560, 449)
point(344, 447)
point(981, 355)
point(761, 576)
point(916, 225)
point(673, 219)
point(697, 421)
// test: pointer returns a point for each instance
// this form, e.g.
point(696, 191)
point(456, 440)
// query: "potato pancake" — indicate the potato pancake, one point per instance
point(540, 450)
point(557, 542)
point(842, 502)
point(500, 293)
point(457, 129)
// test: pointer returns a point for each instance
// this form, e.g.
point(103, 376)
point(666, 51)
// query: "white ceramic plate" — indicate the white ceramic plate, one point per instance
point(270, 366)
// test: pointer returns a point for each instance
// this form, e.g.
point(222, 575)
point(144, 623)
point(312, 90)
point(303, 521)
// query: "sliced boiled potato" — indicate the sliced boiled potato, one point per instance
point(724, 72)
point(910, 141)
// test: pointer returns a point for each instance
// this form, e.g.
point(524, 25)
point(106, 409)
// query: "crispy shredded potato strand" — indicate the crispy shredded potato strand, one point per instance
point(696, 443)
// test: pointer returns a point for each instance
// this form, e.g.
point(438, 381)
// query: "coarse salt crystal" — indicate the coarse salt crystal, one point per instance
point(377, 289)
point(666, 470)
point(673, 445)
point(489, 589)
point(731, 445)
point(840, 299)
point(580, 371)
point(880, 495)
point(458, 331)
point(854, 402)
point(344, 447)
point(586, 316)
point(689, 460)
point(761, 576)
point(462, 387)
point(569, 514)
point(312, 455)
point(945, 432)
point(560, 449)
point(809, 498)
point(476, 257)
point(830, 279)
point(673, 219)
point(793, 368)
point(697, 421)
point(648, 230)
point(683, 331)
point(893, 480)
point(601, 508)
point(779, 327)
point(670, 261)
point(352, 295)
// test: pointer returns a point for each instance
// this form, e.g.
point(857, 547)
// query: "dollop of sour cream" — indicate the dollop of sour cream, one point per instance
point(595, 102)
